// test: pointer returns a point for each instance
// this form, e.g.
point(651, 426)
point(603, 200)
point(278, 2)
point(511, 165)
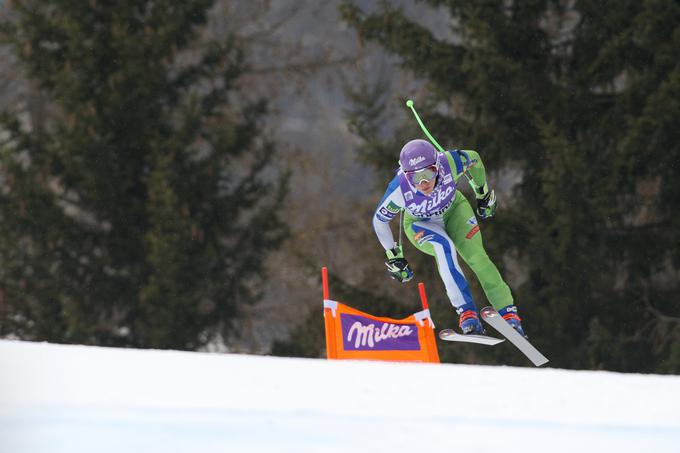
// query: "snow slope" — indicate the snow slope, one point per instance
point(72, 399)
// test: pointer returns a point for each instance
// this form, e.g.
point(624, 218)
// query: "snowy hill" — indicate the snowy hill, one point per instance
point(75, 399)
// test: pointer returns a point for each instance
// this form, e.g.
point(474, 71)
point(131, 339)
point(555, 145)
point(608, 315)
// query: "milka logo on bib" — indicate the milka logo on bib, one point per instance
point(361, 334)
point(429, 204)
point(416, 161)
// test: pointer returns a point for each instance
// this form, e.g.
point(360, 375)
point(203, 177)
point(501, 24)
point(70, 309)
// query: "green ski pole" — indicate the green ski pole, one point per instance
point(409, 104)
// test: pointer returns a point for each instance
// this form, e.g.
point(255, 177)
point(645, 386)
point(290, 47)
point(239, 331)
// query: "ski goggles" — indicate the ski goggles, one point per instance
point(423, 175)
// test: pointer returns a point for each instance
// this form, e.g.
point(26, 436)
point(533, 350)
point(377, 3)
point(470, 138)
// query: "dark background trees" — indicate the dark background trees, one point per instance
point(137, 203)
point(138, 212)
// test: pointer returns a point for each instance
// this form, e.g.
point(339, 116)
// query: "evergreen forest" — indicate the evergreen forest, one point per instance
point(159, 190)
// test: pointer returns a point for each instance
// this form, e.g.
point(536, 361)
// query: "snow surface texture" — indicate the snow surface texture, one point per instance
point(74, 399)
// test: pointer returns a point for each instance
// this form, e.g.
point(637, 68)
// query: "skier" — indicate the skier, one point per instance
point(439, 221)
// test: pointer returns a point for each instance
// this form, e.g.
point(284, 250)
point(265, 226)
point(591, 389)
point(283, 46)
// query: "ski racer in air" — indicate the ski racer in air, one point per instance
point(439, 221)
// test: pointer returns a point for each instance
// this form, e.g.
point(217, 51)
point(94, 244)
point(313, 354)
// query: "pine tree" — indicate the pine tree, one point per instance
point(140, 212)
point(581, 98)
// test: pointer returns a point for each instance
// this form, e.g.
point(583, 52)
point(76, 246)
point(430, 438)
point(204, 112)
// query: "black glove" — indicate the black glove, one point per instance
point(397, 266)
point(486, 202)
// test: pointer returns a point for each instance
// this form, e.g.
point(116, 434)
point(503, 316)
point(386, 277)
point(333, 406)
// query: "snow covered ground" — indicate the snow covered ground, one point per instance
point(74, 399)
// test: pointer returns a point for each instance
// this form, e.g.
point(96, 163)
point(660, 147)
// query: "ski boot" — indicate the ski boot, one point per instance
point(468, 321)
point(509, 313)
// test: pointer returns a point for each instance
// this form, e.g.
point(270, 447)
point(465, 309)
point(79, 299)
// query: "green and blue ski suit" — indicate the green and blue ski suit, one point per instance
point(443, 224)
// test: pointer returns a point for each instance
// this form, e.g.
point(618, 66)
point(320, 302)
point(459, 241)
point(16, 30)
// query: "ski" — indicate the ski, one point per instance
point(452, 335)
point(496, 321)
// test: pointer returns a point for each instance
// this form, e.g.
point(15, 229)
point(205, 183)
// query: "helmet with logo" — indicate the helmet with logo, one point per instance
point(419, 161)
